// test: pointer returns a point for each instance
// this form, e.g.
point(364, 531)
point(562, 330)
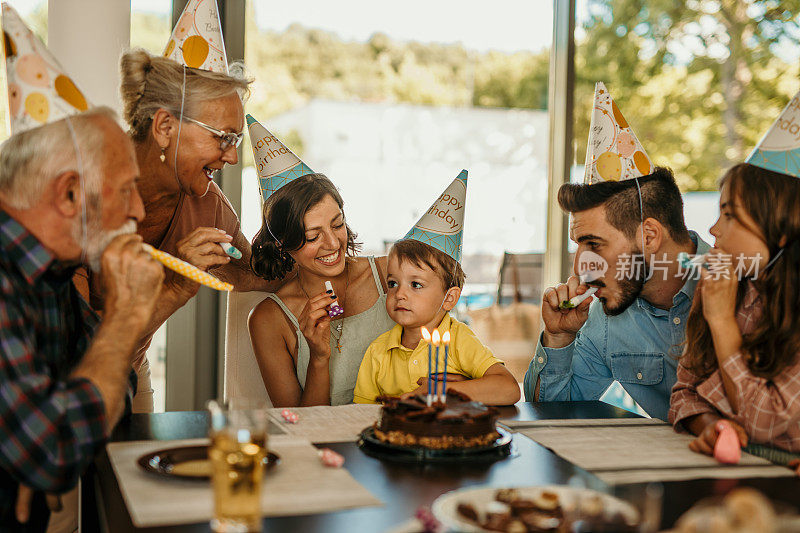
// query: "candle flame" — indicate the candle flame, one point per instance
point(435, 337)
point(446, 337)
point(426, 335)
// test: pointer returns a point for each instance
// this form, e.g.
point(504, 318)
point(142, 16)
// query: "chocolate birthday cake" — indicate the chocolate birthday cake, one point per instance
point(457, 423)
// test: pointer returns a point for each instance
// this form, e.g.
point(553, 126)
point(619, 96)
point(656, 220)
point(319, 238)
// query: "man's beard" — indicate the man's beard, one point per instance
point(629, 289)
point(97, 238)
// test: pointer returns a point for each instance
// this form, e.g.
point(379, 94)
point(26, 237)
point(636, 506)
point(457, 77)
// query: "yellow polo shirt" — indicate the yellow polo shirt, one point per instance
point(390, 368)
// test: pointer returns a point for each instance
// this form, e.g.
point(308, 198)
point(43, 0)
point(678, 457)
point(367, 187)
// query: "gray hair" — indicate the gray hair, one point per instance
point(30, 160)
point(150, 83)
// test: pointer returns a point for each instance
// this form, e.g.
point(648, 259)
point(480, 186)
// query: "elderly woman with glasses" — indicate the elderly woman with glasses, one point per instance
point(186, 124)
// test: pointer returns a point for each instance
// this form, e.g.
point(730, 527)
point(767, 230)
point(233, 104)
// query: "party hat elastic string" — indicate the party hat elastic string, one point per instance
point(641, 216)
point(775, 258)
point(82, 181)
point(180, 126)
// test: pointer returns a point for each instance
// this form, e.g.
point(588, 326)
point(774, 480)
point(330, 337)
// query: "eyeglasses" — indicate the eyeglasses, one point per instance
point(226, 138)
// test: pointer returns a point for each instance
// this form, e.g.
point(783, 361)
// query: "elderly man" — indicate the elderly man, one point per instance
point(64, 374)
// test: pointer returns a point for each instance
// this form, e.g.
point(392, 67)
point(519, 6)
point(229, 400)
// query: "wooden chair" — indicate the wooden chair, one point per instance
point(242, 375)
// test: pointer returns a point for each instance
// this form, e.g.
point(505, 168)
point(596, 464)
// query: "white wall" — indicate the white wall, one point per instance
point(87, 37)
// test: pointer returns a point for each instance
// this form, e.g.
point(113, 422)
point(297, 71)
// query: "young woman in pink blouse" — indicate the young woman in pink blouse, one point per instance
point(742, 355)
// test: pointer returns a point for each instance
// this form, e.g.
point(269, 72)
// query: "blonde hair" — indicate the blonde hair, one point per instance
point(150, 83)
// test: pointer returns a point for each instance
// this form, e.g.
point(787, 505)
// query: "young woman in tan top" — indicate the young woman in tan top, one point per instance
point(305, 356)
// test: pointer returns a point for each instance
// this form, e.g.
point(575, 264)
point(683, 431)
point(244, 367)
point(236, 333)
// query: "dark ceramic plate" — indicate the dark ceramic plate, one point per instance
point(187, 462)
point(373, 446)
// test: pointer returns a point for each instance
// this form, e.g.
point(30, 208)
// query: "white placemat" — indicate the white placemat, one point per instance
point(339, 423)
point(624, 453)
point(582, 422)
point(299, 484)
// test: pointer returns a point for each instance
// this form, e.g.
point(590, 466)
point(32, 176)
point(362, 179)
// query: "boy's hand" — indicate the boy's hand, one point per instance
point(451, 378)
point(423, 384)
point(423, 390)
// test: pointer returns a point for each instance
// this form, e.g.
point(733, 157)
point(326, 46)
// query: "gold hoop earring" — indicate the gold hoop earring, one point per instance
point(163, 156)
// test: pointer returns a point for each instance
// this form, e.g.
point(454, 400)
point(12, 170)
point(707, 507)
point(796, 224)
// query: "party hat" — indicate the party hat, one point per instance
point(276, 164)
point(779, 150)
point(39, 91)
point(442, 226)
point(613, 152)
point(196, 40)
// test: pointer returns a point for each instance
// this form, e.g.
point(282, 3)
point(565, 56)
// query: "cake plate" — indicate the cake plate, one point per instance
point(374, 447)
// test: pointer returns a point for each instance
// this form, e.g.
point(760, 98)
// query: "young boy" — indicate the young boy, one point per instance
point(424, 284)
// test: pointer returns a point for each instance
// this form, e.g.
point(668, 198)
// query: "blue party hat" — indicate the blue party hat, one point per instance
point(442, 226)
point(276, 164)
point(779, 150)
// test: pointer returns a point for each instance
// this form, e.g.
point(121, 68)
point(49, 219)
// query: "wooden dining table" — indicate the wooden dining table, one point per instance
point(405, 488)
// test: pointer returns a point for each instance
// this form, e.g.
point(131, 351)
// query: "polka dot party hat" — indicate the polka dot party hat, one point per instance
point(39, 91)
point(779, 150)
point(276, 165)
point(196, 40)
point(442, 225)
point(613, 152)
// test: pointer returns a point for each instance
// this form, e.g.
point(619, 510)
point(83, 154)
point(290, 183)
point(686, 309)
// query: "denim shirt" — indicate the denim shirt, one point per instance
point(639, 348)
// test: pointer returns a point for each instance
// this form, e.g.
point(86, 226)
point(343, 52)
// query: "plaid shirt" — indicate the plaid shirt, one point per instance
point(769, 409)
point(51, 424)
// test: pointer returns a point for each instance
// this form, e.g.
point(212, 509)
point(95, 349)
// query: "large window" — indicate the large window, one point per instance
point(699, 83)
point(150, 29)
point(391, 101)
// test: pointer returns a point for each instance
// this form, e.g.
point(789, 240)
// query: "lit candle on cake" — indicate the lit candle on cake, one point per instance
point(426, 336)
point(435, 338)
point(446, 342)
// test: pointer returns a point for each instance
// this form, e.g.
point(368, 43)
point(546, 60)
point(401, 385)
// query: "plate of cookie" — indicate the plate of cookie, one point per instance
point(534, 508)
point(187, 462)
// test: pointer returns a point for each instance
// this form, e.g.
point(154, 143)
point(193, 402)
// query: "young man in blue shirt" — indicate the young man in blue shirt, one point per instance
point(632, 332)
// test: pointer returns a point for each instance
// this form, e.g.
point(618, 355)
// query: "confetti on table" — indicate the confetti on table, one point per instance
point(331, 458)
point(427, 520)
point(290, 416)
point(187, 270)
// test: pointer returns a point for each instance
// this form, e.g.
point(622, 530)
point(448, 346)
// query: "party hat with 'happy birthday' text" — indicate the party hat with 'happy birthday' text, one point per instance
point(442, 226)
point(196, 40)
point(39, 91)
point(779, 149)
point(613, 152)
point(276, 164)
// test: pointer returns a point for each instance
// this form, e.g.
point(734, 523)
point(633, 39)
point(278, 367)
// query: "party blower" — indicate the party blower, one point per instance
point(187, 270)
point(591, 267)
point(334, 309)
point(689, 262)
